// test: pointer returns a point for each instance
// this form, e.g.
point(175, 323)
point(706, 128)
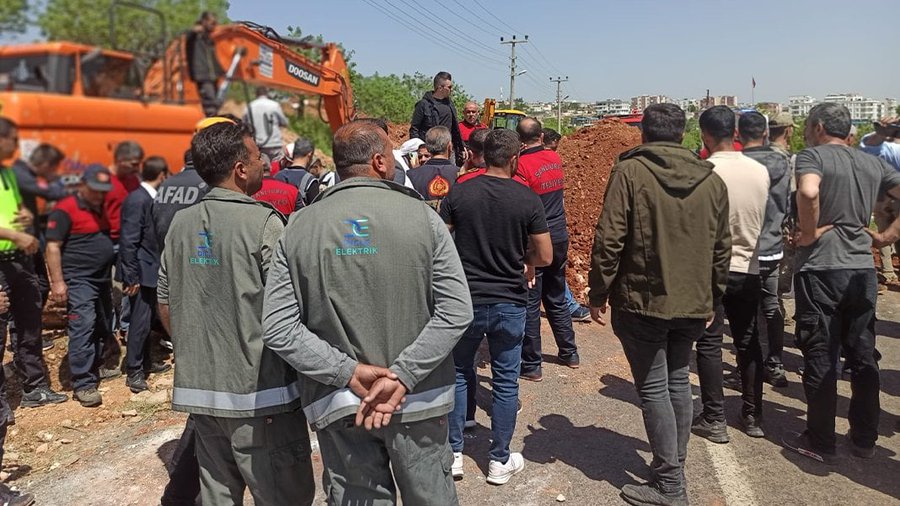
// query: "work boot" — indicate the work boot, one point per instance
point(774, 375)
point(41, 396)
point(136, 382)
point(535, 376)
point(108, 374)
point(157, 368)
point(716, 431)
point(859, 451)
point(89, 397)
point(573, 362)
point(650, 494)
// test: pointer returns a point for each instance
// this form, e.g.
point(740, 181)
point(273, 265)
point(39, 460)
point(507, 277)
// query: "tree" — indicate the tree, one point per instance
point(692, 135)
point(897, 110)
point(394, 97)
point(87, 21)
point(13, 15)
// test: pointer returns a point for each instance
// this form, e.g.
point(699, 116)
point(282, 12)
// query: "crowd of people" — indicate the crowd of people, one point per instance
point(355, 301)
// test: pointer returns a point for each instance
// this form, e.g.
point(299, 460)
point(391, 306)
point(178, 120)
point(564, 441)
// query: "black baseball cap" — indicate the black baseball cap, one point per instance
point(97, 177)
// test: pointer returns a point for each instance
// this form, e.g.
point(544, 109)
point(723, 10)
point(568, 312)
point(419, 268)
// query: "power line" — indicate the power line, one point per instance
point(416, 29)
point(495, 17)
point(449, 40)
point(426, 15)
point(490, 49)
point(477, 16)
point(548, 62)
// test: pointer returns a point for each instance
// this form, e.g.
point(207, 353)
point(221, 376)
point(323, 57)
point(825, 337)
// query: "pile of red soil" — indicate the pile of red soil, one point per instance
point(399, 133)
point(588, 156)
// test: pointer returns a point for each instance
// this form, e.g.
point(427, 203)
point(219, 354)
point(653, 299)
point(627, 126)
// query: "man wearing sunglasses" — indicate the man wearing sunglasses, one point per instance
point(436, 109)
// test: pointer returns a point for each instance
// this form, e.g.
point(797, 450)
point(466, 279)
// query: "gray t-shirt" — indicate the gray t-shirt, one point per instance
point(850, 184)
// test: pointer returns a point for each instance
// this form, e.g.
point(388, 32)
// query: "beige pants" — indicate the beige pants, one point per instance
point(886, 211)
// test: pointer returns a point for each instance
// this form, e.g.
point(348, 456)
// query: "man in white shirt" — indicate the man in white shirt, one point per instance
point(266, 118)
point(748, 190)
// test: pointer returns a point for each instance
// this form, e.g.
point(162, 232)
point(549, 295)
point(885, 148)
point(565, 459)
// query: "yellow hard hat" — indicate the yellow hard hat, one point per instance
point(207, 122)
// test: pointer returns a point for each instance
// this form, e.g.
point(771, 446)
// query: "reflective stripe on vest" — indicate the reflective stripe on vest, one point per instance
point(279, 396)
point(345, 398)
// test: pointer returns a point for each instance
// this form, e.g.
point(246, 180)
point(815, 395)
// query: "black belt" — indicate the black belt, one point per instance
point(11, 255)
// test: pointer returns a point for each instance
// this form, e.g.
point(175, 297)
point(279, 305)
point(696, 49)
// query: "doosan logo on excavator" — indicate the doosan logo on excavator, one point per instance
point(303, 74)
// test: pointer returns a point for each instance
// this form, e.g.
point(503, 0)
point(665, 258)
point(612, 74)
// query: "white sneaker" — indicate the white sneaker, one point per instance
point(457, 469)
point(499, 474)
point(470, 424)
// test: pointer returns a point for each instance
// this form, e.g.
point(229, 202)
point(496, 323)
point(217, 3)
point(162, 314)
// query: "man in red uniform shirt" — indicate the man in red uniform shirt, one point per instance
point(470, 121)
point(543, 172)
point(284, 197)
point(128, 157)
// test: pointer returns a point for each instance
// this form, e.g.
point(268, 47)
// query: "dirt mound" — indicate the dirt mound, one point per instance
point(399, 133)
point(588, 156)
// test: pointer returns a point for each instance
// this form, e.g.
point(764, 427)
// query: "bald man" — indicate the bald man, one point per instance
point(358, 368)
point(470, 121)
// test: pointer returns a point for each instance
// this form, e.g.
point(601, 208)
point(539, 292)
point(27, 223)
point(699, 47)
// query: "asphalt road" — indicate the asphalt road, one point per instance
point(582, 436)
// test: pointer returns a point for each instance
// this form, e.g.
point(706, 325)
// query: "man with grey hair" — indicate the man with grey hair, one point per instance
point(359, 362)
point(835, 285)
point(436, 109)
point(434, 178)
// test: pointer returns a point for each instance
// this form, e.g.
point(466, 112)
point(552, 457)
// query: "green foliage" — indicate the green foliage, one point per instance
point(692, 135)
point(87, 21)
point(798, 144)
point(550, 122)
point(897, 110)
point(13, 15)
point(314, 129)
point(394, 97)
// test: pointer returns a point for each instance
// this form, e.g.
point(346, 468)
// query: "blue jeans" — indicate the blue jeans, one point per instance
point(504, 327)
point(571, 304)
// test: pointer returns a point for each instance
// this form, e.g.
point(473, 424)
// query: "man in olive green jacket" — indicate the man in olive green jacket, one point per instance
point(243, 398)
point(661, 254)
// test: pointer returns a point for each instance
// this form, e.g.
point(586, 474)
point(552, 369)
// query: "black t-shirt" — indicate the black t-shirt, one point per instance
point(87, 250)
point(492, 218)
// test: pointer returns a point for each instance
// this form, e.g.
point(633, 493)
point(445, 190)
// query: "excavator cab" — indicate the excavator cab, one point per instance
point(500, 118)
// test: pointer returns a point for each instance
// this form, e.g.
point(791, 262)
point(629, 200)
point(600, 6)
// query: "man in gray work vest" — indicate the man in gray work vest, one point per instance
point(343, 310)
point(243, 398)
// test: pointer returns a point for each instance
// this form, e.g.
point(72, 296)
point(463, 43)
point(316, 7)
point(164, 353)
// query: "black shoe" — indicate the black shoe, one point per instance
point(136, 382)
point(859, 451)
point(581, 315)
point(108, 374)
point(751, 425)
point(535, 376)
point(157, 368)
point(800, 443)
point(13, 499)
point(717, 432)
point(573, 362)
point(41, 396)
point(649, 494)
point(774, 375)
point(47, 343)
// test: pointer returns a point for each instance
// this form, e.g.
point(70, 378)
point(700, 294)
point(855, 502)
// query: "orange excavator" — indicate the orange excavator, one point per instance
point(85, 100)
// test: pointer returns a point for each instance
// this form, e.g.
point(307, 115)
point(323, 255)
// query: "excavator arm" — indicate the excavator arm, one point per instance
point(257, 55)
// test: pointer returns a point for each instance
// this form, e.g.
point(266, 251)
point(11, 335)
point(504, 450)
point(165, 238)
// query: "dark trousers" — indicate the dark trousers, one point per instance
point(772, 314)
point(207, 91)
point(40, 268)
point(836, 309)
point(143, 305)
point(659, 352)
point(19, 280)
point(183, 488)
point(549, 288)
point(90, 313)
point(740, 303)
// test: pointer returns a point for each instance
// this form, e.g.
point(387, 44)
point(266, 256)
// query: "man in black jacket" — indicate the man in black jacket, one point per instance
point(434, 178)
point(436, 109)
point(203, 64)
point(139, 265)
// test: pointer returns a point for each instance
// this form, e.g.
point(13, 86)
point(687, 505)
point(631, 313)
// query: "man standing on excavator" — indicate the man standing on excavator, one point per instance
point(204, 67)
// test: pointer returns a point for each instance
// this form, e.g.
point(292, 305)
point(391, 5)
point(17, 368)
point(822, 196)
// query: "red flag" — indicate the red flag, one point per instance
point(754, 82)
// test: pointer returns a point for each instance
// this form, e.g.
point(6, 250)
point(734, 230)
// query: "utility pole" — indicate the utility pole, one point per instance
point(559, 82)
point(512, 68)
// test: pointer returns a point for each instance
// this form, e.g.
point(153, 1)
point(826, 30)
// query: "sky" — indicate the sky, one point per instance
point(611, 48)
point(614, 49)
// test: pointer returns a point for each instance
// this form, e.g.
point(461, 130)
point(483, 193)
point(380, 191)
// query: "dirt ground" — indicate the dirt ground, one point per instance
point(580, 431)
